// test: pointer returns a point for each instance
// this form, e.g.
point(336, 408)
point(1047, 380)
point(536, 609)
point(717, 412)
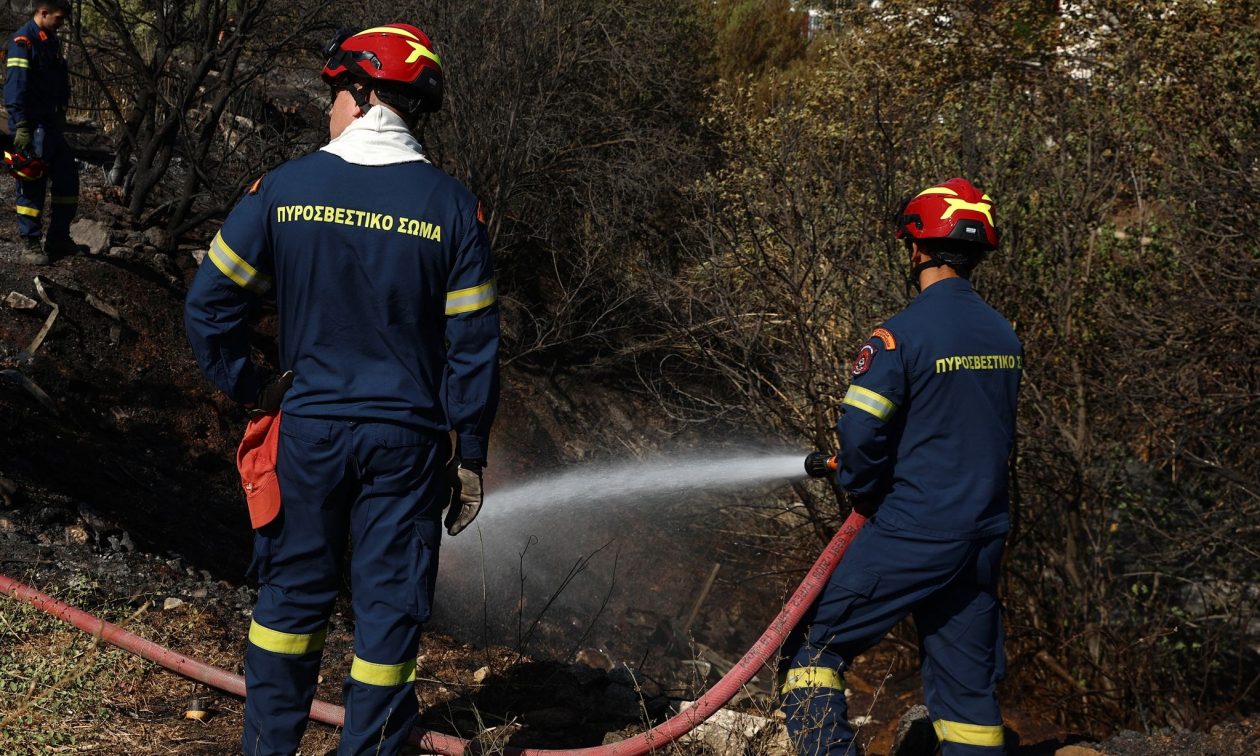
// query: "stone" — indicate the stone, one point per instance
point(480, 675)
point(172, 603)
point(90, 233)
point(158, 237)
point(19, 301)
point(594, 658)
point(730, 731)
point(915, 735)
point(8, 492)
point(1075, 750)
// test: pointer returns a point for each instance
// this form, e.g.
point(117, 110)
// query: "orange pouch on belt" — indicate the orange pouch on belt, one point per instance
point(256, 462)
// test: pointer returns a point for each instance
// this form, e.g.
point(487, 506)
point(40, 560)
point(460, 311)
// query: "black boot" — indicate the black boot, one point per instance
point(33, 253)
point(57, 247)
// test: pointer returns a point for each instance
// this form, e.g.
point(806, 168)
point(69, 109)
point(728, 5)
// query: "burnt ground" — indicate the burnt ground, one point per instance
point(119, 497)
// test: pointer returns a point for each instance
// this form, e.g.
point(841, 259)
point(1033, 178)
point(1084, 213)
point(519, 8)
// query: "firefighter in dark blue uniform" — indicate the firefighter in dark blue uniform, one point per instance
point(36, 95)
point(927, 428)
point(389, 335)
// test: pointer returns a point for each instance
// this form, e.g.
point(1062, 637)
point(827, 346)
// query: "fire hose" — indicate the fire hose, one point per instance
point(662, 734)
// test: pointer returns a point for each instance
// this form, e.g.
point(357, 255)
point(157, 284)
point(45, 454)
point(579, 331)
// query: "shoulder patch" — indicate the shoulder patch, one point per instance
point(254, 187)
point(885, 335)
point(863, 361)
point(23, 41)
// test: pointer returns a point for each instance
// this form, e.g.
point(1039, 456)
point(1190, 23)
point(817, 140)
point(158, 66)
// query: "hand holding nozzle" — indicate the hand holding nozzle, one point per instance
point(820, 465)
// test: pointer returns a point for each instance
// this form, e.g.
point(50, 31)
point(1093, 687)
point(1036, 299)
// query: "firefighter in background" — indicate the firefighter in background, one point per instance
point(389, 339)
point(927, 428)
point(36, 95)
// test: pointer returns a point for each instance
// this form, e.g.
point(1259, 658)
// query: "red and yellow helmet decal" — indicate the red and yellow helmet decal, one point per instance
point(955, 209)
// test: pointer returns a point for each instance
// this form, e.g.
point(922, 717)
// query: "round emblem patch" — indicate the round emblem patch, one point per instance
point(863, 361)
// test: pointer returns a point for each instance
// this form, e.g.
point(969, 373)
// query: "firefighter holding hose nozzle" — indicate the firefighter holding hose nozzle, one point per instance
point(926, 431)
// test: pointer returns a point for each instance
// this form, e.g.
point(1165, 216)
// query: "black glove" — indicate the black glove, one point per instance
point(866, 504)
point(466, 496)
point(272, 394)
point(22, 135)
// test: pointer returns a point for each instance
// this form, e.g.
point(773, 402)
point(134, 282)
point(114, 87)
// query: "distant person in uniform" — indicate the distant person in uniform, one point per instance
point(36, 95)
point(926, 433)
point(389, 342)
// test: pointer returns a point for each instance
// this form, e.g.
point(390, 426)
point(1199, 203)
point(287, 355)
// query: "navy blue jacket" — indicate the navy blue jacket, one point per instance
point(929, 417)
point(385, 290)
point(36, 81)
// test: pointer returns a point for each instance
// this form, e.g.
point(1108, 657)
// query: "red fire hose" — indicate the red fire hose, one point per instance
point(655, 738)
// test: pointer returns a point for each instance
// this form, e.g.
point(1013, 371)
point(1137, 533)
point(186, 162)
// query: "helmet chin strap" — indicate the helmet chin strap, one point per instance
point(361, 95)
point(912, 278)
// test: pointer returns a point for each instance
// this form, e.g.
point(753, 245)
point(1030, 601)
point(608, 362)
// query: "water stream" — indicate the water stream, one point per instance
point(598, 486)
point(576, 552)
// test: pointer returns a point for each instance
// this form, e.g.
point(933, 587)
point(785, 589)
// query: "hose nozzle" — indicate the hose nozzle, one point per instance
point(819, 465)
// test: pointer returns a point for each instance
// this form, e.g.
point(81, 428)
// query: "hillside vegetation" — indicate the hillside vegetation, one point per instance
point(693, 200)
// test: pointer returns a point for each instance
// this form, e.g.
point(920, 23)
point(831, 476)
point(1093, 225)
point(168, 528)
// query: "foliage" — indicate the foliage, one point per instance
point(756, 36)
point(727, 240)
point(42, 692)
point(574, 122)
point(180, 86)
point(1120, 145)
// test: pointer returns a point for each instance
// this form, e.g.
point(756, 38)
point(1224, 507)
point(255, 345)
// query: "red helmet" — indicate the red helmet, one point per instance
point(955, 209)
point(23, 166)
point(396, 58)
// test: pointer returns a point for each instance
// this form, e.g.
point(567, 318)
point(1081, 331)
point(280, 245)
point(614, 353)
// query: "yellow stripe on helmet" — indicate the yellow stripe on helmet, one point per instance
point(961, 204)
point(388, 30)
point(418, 50)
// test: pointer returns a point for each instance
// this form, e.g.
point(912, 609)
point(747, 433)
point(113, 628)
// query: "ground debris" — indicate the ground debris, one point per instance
point(729, 731)
point(20, 301)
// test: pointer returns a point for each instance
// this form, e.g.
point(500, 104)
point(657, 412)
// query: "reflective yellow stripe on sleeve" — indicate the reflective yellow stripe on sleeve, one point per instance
point(31, 211)
point(865, 399)
point(285, 643)
point(969, 734)
point(234, 267)
point(472, 298)
point(382, 675)
point(19, 63)
point(810, 677)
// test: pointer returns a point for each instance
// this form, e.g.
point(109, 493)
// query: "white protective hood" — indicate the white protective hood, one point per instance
point(378, 137)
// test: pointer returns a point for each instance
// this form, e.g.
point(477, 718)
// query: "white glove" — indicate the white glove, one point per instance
point(466, 495)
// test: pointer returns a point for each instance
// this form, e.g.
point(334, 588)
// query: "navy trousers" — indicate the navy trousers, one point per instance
point(383, 488)
point(50, 144)
point(950, 587)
